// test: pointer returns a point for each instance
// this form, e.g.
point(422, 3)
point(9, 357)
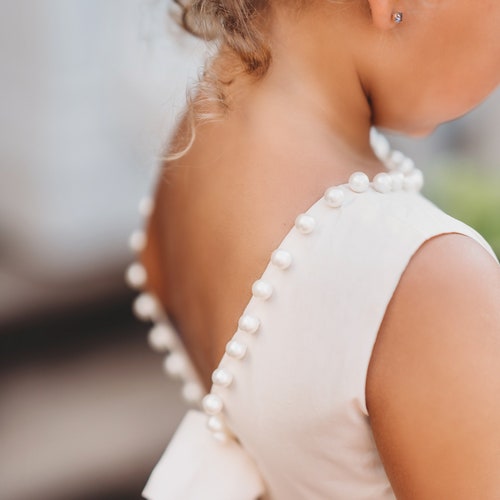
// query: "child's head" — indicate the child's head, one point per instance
point(419, 62)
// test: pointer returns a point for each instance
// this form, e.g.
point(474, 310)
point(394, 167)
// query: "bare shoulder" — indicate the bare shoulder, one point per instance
point(433, 385)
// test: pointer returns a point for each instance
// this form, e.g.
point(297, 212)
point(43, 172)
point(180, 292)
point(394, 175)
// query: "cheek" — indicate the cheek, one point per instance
point(450, 63)
point(466, 82)
point(441, 80)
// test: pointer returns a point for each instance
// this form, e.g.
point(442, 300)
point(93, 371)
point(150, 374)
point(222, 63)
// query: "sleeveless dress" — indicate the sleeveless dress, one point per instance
point(286, 417)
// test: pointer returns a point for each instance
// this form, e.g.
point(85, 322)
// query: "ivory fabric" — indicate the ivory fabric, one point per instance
point(297, 402)
point(194, 459)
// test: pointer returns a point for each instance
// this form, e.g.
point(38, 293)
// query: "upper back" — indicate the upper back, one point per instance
point(219, 212)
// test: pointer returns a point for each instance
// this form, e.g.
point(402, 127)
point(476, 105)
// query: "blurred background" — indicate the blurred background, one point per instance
point(90, 90)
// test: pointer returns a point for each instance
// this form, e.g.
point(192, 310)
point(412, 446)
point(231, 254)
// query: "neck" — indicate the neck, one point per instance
point(312, 97)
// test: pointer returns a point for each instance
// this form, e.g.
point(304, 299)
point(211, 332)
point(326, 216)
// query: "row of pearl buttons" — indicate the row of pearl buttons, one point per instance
point(161, 337)
point(249, 324)
point(212, 403)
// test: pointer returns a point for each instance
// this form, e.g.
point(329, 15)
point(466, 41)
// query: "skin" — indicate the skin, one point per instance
point(337, 68)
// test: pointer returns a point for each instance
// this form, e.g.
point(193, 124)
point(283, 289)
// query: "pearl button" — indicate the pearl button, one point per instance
point(161, 338)
point(145, 307)
point(406, 166)
point(395, 159)
point(175, 365)
point(221, 437)
point(418, 179)
point(334, 197)
point(281, 259)
point(305, 223)
point(380, 144)
point(222, 377)
point(146, 206)
point(414, 181)
point(135, 275)
point(192, 392)
point(236, 349)
point(359, 182)
point(248, 323)
point(216, 424)
point(212, 404)
point(137, 240)
point(397, 180)
point(262, 290)
point(382, 182)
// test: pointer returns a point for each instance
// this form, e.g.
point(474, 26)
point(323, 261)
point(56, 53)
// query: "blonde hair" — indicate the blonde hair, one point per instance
point(235, 27)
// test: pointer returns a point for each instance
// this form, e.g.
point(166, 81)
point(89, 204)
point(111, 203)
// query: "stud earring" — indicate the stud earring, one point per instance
point(397, 17)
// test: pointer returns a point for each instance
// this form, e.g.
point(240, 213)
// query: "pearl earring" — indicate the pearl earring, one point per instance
point(397, 17)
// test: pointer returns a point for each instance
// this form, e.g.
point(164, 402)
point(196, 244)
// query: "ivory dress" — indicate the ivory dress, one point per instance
point(286, 417)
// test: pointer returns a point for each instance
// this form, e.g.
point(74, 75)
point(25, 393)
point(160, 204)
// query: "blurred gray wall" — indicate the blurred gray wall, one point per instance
point(90, 90)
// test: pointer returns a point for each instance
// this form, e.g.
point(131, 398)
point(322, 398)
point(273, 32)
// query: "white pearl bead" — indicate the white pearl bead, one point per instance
point(334, 197)
point(281, 259)
point(175, 365)
point(397, 180)
point(382, 182)
point(137, 240)
point(374, 133)
point(220, 437)
point(212, 404)
point(379, 144)
point(145, 307)
point(146, 206)
point(359, 182)
point(414, 181)
point(262, 290)
point(248, 323)
point(162, 338)
point(236, 349)
point(406, 166)
point(192, 392)
point(305, 223)
point(216, 424)
point(418, 179)
point(222, 377)
point(135, 275)
point(396, 158)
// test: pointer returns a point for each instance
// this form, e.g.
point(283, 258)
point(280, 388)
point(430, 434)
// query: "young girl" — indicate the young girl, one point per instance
point(341, 331)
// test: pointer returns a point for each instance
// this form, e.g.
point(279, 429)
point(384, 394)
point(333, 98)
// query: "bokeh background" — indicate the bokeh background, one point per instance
point(90, 91)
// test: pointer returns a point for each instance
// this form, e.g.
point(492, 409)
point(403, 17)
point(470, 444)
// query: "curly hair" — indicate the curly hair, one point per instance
point(235, 27)
point(234, 23)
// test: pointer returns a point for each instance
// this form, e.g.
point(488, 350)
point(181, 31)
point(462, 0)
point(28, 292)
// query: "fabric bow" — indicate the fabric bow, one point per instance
point(197, 467)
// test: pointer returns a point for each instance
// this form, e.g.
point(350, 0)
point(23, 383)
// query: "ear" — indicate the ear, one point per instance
point(382, 11)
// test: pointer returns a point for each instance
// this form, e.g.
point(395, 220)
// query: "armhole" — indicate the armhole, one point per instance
point(467, 232)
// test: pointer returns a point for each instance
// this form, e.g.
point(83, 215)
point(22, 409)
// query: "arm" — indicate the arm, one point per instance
point(433, 385)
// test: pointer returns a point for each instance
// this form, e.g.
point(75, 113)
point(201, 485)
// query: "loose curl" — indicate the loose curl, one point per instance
point(235, 27)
